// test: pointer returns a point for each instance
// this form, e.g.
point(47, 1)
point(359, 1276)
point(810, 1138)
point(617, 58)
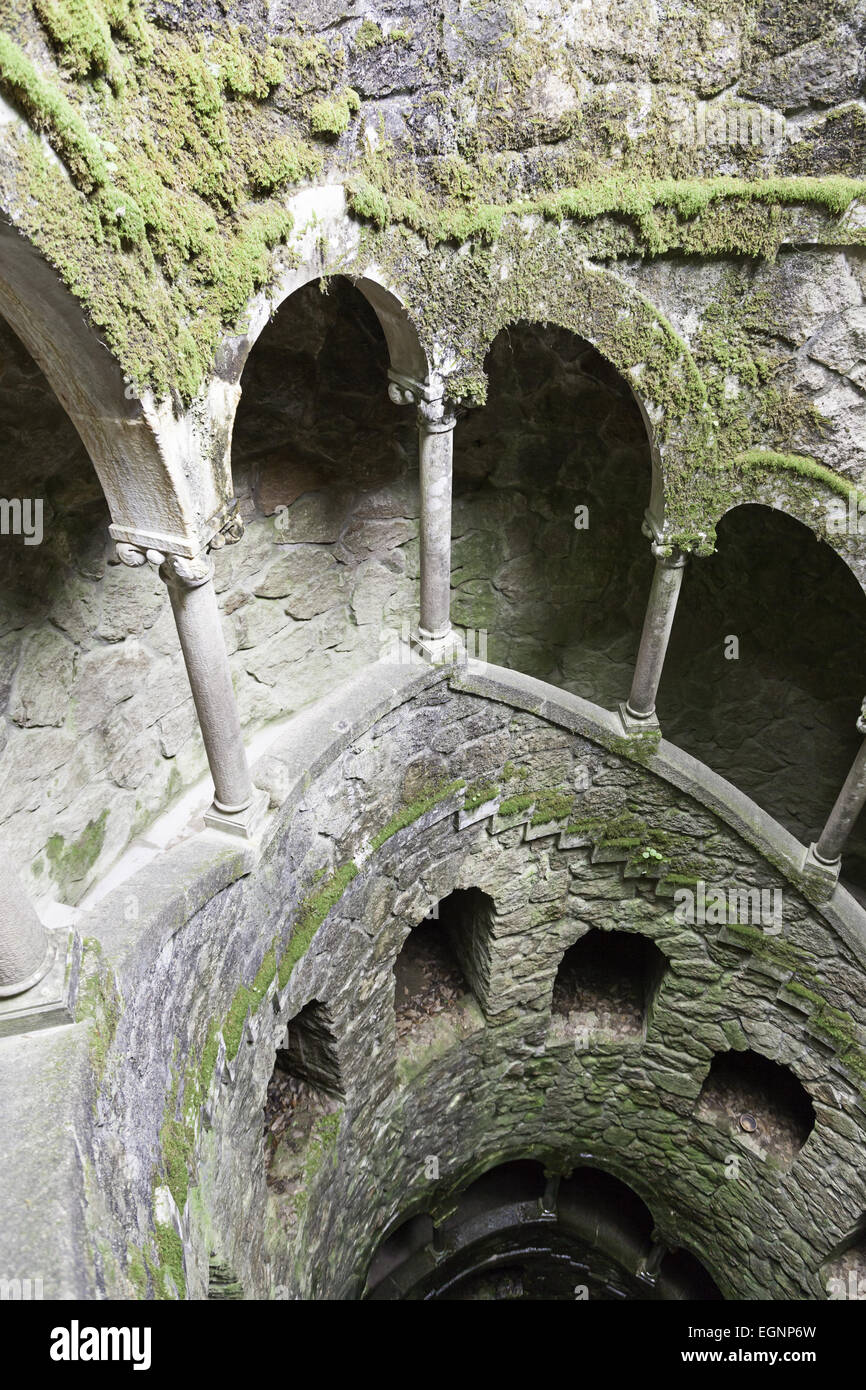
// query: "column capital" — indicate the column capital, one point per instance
point(669, 556)
point(437, 417)
point(173, 569)
point(186, 574)
point(436, 414)
point(861, 718)
point(229, 527)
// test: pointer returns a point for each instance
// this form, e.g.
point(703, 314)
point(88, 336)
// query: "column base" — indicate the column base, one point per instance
point(243, 825)
point(823, 875)
point(446, 649)
point(638, 725)
point(50, 1002)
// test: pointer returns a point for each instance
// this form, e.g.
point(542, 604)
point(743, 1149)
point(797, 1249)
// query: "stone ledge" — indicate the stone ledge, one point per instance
point(44, 1101)
point(738, 812)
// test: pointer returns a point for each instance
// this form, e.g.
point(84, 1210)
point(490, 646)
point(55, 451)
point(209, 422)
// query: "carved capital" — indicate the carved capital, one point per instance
point(130, 555)
point(861, 719)
point(669, 556)
point(186, 573)
point(436, 415)
point(230, 531)
point(403, 395)
point(137, 555)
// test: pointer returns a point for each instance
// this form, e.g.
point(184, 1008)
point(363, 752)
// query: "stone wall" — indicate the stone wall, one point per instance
point(502, 1088)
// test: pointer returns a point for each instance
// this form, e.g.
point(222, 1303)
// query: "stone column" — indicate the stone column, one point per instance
point(849, 803)
point(435, 449)
point(196, 614)
point(436, 421)
point(25, 953)
point(656, 632)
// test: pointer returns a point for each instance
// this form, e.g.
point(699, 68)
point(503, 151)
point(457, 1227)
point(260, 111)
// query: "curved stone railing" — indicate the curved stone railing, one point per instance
point(193, 966)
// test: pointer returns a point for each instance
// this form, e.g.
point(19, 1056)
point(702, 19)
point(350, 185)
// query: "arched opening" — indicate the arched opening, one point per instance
point(844, 1273)
point(766, 670)
point(687, 1279)
point(551, 480)
point(758, 1102)
point(518, 1232)
point(605, 988)
point(326, 469)
point(302, 1109)
point(99, 724)
point(442, 962)
point(309, 1051)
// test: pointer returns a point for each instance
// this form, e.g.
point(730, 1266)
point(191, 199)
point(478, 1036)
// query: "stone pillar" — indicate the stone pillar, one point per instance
point(436, 421)
point(656, 633)
point(196, 614)
point(827, 851)
point(435, 449)
point(25, 953)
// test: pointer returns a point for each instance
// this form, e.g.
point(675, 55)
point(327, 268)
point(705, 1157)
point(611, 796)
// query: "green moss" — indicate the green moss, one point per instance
point(639, 746)
point(48, 110)
point(209, 1054)
point(774, 948)
point(552, 805)
point(177, 1140)
point(369, 36)
point(767, 460)
point(99, 1001)
point(233, 1026)
point(706, 216)
point(136, 1272)
point(323, 1141)
point(514, 805)
point(368, 202)
point(169, 1264)
point(283, 161)
point(479, 793)
point(470, 388)
point(80, 32)
point(331, 117)
point(246, 70)
point(429, 798)
point(71, 863)
point(186, 122)
point(311, 915)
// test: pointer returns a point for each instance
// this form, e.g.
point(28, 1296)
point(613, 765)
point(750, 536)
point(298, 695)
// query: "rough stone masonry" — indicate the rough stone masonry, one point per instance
point(302, 308)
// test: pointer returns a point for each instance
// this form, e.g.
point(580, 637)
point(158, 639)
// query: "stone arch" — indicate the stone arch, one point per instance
point(639, 342)
point(552, 477)
point(825, 508)
point(309, 1049)
point(407, 356)
point(759, 1100)
point(161, 469)
point(795, 606)
point(508, 1215)
point(606, 985)
point(441, 966)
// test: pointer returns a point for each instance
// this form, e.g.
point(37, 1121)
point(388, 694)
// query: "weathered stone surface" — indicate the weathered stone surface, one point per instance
point(315, 517)
point(374, 586)
point(107, 677)
point(309, 580)
point(132, 600)
point(825, 72)
point(841, 345)
point(44, 680)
